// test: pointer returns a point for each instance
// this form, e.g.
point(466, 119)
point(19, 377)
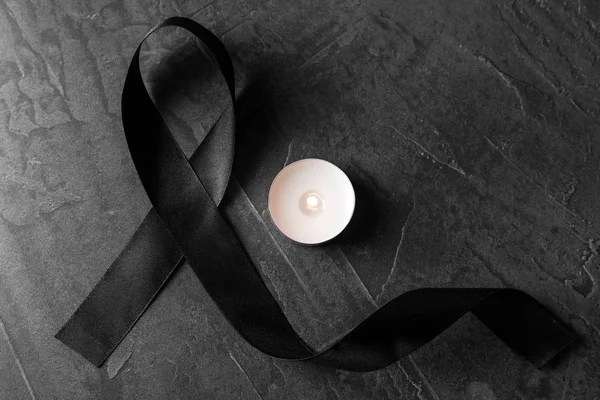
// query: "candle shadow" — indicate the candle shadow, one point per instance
point(366, 217)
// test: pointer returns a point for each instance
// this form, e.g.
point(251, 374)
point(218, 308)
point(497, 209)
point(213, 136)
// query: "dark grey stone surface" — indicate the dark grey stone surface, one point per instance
point(471, 131)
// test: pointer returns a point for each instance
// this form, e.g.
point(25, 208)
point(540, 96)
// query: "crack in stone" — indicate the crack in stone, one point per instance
point(593, 247)
point(115, 365)
point(287, 158)
point(400, 242)
point(531, 56)
point(287, 260)
point(280, 370)
point(424, 150)
point(592, 279)
point(323, 52)
point(507, 79)
point(337, 394)
point(234, 27)
point(394, 381)
point(423, 378)
point(204, 8)
point(245, 374)
point(419, 386)
point(177, 7)
point(17, 360)
point(581, 110)
point(360, 281)
point(542, 70)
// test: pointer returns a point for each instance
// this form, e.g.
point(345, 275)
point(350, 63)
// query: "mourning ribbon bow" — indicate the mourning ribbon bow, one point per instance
point(186, 223)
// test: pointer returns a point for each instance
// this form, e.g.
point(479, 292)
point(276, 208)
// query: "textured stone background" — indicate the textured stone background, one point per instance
point(469, 128)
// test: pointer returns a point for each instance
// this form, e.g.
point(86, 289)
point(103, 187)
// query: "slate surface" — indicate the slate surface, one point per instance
point(471, 131)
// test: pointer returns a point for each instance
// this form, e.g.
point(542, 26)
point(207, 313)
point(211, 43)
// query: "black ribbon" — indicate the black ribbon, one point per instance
point(185, 223)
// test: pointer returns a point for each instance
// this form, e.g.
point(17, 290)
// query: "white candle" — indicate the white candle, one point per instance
point(311, 201)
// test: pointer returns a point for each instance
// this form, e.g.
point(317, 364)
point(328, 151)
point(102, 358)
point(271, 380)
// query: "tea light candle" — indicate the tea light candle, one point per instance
point(311, 201)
